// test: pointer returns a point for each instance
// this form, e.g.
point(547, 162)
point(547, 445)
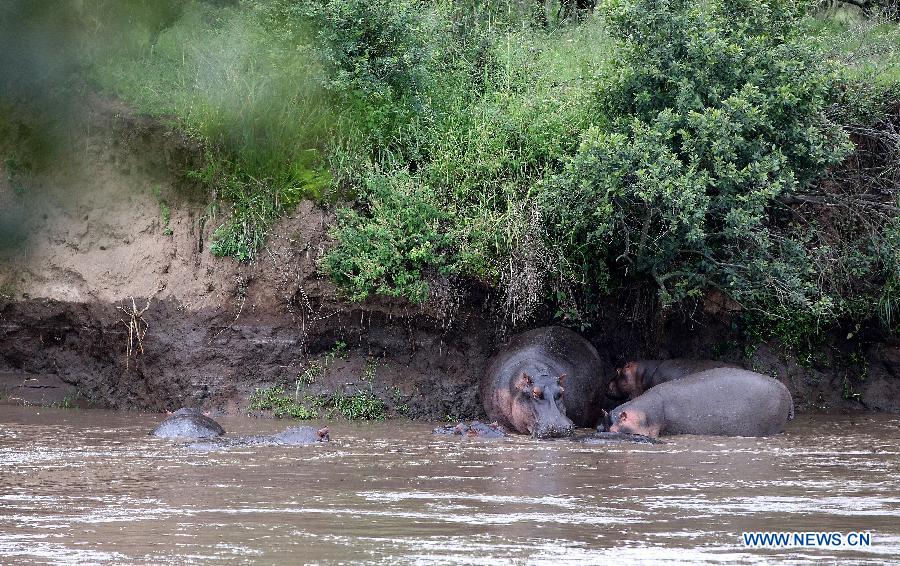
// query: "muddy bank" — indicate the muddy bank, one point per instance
point(102, 257)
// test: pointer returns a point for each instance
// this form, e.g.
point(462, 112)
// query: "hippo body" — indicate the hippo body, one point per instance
point(715, 402)
point(292, 436)
point(475, 430)
point(522, 389)
point(603, 437)
point(188, 423)
point(638, 376)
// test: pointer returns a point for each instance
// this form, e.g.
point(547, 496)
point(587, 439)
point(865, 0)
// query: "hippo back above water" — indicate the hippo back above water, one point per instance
point(188, 423)
point(715, 402)
point(545, 382)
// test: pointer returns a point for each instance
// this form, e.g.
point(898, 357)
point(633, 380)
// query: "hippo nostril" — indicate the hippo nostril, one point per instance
point(553, 432)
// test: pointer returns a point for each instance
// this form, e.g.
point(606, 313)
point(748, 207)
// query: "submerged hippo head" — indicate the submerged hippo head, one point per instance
point(537, 406)
point(625, 385)
point(633, 421)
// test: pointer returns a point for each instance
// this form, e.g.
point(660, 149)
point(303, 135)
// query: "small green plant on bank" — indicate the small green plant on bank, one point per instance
point(165, 211)
point(281, 404)
point(857, 369)
point(7, 290)
point(67, 402)
point(361, 405)
point(848, 393)
point(309, 375)
point(339, 350)
point(399, 403)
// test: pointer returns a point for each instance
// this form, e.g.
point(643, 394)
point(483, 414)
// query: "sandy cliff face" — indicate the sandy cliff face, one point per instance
point(99, 261)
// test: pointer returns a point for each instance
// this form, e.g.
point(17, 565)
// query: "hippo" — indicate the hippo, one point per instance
point(297, 435)
point(291, 436)
point(715, 402)
point(640, 375)
point(475, 430)
point(522, 389)
point(188, 423)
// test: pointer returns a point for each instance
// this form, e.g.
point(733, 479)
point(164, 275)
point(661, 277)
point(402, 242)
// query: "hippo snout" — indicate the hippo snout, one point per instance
point(555, 430)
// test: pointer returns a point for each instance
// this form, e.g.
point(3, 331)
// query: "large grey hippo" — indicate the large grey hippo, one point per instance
point(716, 402)
point(638, 376)
point(188, 423)
point(545, 382)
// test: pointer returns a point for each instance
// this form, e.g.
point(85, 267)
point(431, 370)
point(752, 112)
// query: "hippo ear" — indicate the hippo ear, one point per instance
point(561, 379)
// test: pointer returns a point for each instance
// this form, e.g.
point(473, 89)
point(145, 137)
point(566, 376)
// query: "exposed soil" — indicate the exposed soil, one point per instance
point(98, 252)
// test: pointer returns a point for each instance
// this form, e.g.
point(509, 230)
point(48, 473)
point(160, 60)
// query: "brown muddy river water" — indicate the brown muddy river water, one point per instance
point(82, 486)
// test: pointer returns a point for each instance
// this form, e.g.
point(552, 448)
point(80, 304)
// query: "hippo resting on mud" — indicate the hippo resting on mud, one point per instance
point(636, 377)
point(188, 423)
point(715, 402)
point(523, 388)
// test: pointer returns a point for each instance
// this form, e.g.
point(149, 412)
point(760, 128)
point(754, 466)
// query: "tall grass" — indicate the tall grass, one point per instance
point(255, 100)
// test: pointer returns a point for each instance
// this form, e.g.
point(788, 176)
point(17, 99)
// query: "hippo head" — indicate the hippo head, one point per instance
point(625, 385)
point(633, 421)
point(537, 406)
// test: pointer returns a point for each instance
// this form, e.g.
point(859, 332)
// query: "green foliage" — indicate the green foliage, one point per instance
point(360, 405)
point(389, 250)
point(281, 404)
point(715, 111)
point(364, 406)
point(534, 148)
point(165, 211)
point(496, 112)
point(339, 350)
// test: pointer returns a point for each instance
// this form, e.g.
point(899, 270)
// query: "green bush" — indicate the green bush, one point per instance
point(389, 249)
point(281, 404)
point(498, 109)
point(716, 111)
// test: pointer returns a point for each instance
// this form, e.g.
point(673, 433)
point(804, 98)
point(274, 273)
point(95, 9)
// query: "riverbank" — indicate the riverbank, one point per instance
point(113, 300)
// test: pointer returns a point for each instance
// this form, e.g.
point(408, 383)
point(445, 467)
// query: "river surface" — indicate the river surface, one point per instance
point(87, 486)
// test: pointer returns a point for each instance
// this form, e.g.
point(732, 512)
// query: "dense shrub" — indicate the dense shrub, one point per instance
point(388, 248)
point(715, 111)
